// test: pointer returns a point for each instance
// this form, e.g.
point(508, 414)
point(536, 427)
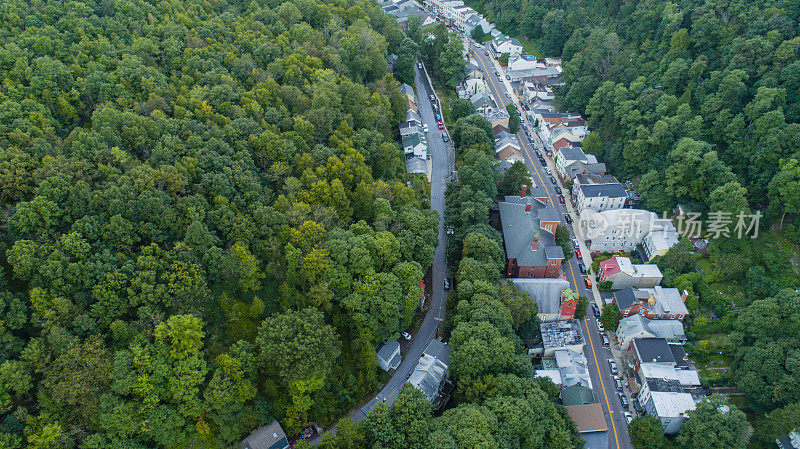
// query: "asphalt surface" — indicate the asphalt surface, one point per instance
point(596, 354)
point(442, 158)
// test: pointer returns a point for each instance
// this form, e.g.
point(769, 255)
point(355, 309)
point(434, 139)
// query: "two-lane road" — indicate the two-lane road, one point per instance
point(599, 371)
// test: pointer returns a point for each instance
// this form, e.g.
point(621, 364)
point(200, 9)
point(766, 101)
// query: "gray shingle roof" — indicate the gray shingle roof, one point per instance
point(606, 190)
point(653, 350)
point(266, 437)
point(573, 154)
point(519, 228)
point(546, 292)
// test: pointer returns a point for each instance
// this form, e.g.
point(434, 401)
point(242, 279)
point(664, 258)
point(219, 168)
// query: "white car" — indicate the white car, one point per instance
point(424, 127)
point(406, 336)
point(600, 327)
point(628, 417)
point(508, 95)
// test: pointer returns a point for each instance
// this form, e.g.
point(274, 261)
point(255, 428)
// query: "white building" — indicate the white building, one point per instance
point(659, 241)
point(622, 273)
point(389, 355)
point(505, 44)
point(601, 197)
point(666, 400)
point(637, 326)
point(627, 230)
point(431, 371)
point(475, 86)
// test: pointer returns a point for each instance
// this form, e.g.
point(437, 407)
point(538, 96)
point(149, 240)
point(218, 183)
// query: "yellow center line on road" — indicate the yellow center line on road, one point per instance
point(569, 263)
point(522, 143)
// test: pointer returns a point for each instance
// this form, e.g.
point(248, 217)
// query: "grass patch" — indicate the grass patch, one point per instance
point(530, 47)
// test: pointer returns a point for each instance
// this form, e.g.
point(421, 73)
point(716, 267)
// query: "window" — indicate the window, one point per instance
point(672, 317)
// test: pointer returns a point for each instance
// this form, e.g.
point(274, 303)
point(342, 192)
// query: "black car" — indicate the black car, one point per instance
point(558, 190)
point(542, 162)
point(595, 310)
point(445, 138)
point(447, 284)
point(582, 267)
point(568, 218)
point(552, 179)
point(623, 400)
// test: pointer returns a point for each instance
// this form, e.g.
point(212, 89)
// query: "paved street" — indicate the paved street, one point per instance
point(596, 354)
point(442, 159)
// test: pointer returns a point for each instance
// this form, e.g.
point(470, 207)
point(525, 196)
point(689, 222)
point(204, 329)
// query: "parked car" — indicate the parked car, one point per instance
point(406, 336)
point(606, 343)
point(628, 417)
point(542, 161)
point(618, 384)
point(486, 53)
point(582, 267)
point(497, 73)
point(549, 172)
point(440, 125)
point(558, 190)
point(425, 127)
point(530, 138)
point(587, 281)
point(575, 242)
point(623, 400)
point(438, 116)
point(561, 199)
point(578, 254)
point(568, 218)
point(433, 98)
point(508, 77)
point(538, 153)
point(447, 284)
point(445, 138)
point(612, 365)
point(595, 310)
point(552, 179)
point(600, 327)
point(508, 95)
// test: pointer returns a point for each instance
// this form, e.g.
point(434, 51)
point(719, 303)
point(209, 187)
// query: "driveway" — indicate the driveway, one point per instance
point(595, 353)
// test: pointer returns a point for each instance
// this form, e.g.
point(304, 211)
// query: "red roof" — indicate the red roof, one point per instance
point(568, 309)
point(610, 266)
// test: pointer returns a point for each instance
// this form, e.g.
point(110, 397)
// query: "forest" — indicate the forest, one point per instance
point(206, 221)
point(698, 103)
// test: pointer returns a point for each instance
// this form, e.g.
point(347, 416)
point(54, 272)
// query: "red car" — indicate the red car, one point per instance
point(578, 254)
point(441, 125)
point(486, 53)
point(561, 199)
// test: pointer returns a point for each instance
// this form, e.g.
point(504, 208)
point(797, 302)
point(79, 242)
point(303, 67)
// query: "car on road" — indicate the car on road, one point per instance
point(433, 98)
point(575, 242)
point(628, 417)
point(497, 73)
point(558, 190)
point(623, 400)
point(578, 254)
point(538, 153)
point(612, 365)
point(541, 161)
point(595, 310)
point(604, 337)
point(552, 179)
point(438, 116)
point(419, 65)
point(587, 281)
point(582, 267)
point(406, 336)
point(549, 172)
point(445, 138)
point(508, 77)
point(425, 127)
point(568, 218)
point(440, 125)
point(530, 138)
point(600, 327)
point(486, 53)
point(561, 199)
point(447, 284)
point(508, 95)
point(618, 384)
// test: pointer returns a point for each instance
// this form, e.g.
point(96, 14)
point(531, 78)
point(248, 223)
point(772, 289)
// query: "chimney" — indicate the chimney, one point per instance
point(685, 295)
point(527, 208)
point(524, 190)
point(535, 241)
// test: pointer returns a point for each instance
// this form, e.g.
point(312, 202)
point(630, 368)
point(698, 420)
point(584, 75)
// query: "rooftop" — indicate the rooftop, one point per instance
point(655, 350)
point(604, 190)
point(577, 395)
point(546, 292)
point(658, 300)
point(519, 229)
point(617, 264)
point(668, 329)
point(672, 404)
point(264, 437)
point(495, 115)
point(586, 179)
point(560, 334)
point(681, 359)
point(588, 417)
